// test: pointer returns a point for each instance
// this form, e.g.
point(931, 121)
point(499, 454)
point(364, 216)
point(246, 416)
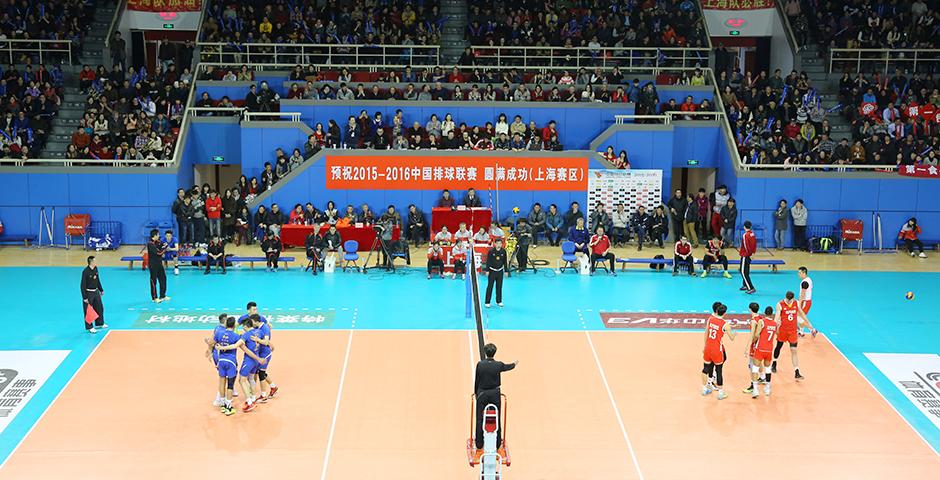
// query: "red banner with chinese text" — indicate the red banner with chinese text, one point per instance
point(165, 5)
point(919, 171)
point(383, 172)
point(737, 4)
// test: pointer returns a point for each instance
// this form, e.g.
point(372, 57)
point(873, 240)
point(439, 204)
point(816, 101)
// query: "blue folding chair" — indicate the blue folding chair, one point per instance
point(351, 255)
point(567, 256)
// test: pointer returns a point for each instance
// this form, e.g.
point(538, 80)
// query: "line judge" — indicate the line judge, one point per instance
point(91, 295)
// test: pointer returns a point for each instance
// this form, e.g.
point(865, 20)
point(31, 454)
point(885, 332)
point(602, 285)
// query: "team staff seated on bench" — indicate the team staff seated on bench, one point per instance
point(714, 253)
point(313, 246)
point(271, 246)
point(600, 250)
point(215, 254)
point(435, 258)
point(578, 235)
point(683, 253)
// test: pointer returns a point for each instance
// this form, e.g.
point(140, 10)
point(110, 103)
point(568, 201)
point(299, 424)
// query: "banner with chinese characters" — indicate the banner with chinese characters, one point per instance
point(387, 172)
point(22, 374)
point(919, 171)
point(164, 5)
point(737, 4)
point(917, 376)
point(632, 188)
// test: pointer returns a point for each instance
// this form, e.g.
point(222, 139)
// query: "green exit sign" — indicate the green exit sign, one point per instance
point(734, 33)
point(168, 26)
point(692, 163)
point(218, 158)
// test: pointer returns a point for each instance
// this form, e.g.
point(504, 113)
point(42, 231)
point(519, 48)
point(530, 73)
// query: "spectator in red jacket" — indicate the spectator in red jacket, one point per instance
point(748, 248)
point(600, 250)
point(549, 130)
point(909, 233)
point(214, 213)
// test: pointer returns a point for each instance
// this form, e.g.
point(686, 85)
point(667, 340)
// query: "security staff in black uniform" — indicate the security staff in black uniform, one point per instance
point(486, 387)
point(155, 251)
point(91, 295)
point(496, 265)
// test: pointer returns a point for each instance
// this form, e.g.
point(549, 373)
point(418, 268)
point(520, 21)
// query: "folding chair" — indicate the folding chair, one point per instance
point(351, 255)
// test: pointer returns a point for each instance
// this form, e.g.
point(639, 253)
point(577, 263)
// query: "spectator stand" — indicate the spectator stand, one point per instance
point(883, 60)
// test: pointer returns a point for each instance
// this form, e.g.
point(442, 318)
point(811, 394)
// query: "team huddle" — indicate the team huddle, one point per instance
point(769, 331)
point(254, 340)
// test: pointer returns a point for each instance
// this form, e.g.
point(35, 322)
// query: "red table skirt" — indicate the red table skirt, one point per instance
point(296, 235)
point(473, 217)
point(479, 257)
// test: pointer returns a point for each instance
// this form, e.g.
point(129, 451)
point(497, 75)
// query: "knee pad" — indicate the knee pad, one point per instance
point(718, 375)
point(755, 368)
point(231, 383)
point(708, 369)
point(262, 375)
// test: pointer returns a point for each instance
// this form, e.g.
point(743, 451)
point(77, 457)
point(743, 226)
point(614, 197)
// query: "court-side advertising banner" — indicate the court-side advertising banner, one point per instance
point(632, 188)
point(309, 318)
point(668, 320)
point(22, 374)
point(917, 376)
point(455, 173)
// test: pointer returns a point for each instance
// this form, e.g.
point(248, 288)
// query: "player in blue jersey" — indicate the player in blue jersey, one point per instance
point(226, 342)
point(213, 355)
point(251, 362)
point(266, 386)
point(252, 308)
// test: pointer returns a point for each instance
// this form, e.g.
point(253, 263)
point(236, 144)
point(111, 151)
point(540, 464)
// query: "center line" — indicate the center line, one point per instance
point(339, 398)
point(613, 402)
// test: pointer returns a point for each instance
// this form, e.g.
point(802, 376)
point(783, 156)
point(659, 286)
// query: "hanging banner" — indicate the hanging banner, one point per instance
point(163, 15)
point(919, 171)
point(632, 188)
point(164, 5)
point(386, 172)
point(737, 4)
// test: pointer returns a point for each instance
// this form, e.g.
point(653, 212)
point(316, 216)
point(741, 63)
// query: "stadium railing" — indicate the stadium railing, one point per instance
point(262, 55)
point(881, 59)
point(791, 38)
point(667, 118)
point(11, 48)
point(587, 57)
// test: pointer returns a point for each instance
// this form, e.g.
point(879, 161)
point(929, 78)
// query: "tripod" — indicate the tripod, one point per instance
point(378, 242)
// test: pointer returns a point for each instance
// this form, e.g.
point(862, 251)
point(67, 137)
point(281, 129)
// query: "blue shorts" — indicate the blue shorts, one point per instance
point(249, 367)
point(267, 364)
point(227, 368)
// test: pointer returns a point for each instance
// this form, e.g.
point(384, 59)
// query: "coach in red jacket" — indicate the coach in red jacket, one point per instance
point(748, 248)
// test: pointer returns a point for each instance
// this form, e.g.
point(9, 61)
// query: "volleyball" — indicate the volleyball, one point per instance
point(909, 295)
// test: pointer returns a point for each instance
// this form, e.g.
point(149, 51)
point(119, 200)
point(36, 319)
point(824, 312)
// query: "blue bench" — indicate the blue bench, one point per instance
point(10, 239)
point(773, 263)
point(202, 258)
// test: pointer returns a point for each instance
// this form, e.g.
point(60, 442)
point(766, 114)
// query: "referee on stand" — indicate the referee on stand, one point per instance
point(486, 387)
point(748, 249)
point(496, 265)
point(91, 295)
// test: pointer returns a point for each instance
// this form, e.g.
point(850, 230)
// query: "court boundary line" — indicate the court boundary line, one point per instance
point(613, 402)
point(880, 394)
point(339, 399)
point(54, 400)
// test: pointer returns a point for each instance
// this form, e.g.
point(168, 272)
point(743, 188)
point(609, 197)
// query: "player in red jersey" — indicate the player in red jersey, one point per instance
point(763, 338)
point(789, 316)
point(749, 352)
point(714, 355)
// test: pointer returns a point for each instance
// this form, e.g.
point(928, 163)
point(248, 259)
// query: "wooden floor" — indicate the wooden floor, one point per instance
point(850, 261)
point(594, 407)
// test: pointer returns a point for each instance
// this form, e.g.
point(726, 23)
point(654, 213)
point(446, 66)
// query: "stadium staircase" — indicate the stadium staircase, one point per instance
point(810, 61)
point(453, 39)
point(73, 102)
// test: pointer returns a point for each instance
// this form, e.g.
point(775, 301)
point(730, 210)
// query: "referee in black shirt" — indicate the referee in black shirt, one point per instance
point(155, 250)
point(486, 387)
point(496, 265)
point(91, 295)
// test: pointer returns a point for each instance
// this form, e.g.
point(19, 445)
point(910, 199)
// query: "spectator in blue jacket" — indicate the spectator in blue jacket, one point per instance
point(554, 225)
point(579, 235)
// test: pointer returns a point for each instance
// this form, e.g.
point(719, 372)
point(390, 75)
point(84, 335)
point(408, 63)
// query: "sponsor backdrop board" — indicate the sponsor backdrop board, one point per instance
point(22, 374)
point(632, 188)
point(917, 376)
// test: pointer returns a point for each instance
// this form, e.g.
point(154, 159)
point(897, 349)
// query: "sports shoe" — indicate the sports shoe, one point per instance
point(217, 403)
point(727, 275)
point(912, 254)
point(103, 326)
point(801, 333)
point(773, 368)
point(176, 270)
point(228, 411)
point(743, 289)
point(706, 390)
point(798, 376)
point(92, 330)
point(613, 273)
point(486, 305)
point(429, 276)
point(264, 398)
point(922, 255)
point(234, 393)
point(273, 392)
point(704, 273)
point(755, 392)
point(249, 406)
point(166, 299)
point(749, 390)
point(157, 300)
point(815, 332)
point(767, 389)
point(499, 304)
point(751, 291)
point(722, 395)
